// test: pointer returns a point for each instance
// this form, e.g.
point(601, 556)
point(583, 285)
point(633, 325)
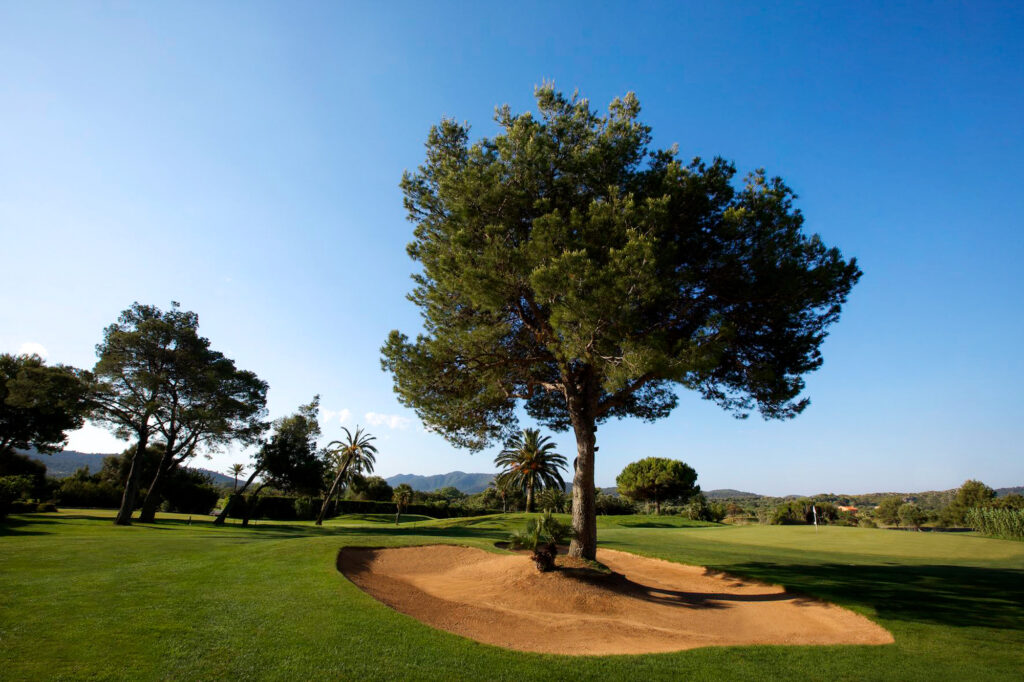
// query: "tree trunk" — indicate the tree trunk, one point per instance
point(131, 488)
point(148, 513)
point(657, 506)
point(334, 488)
point(223, 516)
point(584, 520)
point(250, 505)
point(529, 497)
point(398, 513)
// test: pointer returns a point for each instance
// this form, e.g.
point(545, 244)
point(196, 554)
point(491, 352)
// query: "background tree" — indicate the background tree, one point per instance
point(912, 516)
point(567, 264)
point(529, 462)
point(657, 479)
point(206, 403)
point(131, 374)
point(371, 488)
point(39, 404)
point(402, 497)
point(888, 510)
point(356, 454)
point(288, 460)
point(236, 470)
point(968, 496)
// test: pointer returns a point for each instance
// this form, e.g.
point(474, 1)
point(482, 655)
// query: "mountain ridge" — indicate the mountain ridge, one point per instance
point(65, 463)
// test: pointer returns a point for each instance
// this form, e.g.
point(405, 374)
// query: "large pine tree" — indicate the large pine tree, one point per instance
point(567, 264)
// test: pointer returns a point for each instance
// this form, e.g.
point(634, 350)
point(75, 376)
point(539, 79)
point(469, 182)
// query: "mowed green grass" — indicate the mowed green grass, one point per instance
point(80, 598)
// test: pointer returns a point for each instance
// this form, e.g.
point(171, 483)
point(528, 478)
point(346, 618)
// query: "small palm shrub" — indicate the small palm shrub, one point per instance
point(542, 535)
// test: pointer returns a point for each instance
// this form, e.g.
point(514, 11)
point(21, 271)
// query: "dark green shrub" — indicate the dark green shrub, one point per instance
point(12, 488)
point(306, 508)
point(612, 505)
point(77, 492)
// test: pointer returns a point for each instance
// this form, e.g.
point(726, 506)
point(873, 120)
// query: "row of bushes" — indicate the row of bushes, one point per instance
point(1003, 523)
point(280, 508)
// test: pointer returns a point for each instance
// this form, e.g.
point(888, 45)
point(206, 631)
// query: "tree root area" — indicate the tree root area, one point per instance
point(643, 606)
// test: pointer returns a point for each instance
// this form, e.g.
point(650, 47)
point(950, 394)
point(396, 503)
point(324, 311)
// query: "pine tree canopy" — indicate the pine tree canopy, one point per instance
point(568, 264)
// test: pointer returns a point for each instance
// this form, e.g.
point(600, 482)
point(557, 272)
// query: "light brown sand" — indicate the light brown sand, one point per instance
point(647, 606)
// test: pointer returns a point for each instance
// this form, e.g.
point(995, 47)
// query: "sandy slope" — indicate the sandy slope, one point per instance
point(648, 606)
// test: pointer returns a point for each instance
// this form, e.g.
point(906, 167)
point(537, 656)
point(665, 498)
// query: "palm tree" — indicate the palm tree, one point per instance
point(236, 470)
point(528, 462)
point(354, 455)
point(401, 497)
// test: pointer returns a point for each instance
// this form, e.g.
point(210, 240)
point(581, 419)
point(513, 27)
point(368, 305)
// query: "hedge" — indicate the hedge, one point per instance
point(276, 508)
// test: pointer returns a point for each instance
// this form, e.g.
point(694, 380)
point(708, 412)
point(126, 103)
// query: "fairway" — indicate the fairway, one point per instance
point(84, 599)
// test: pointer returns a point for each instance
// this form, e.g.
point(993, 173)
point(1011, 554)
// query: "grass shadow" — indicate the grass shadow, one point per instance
point(959, 596)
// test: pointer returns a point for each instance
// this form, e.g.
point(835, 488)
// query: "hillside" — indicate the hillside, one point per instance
point(730, 494)
point(467, 483)
point(63, 464)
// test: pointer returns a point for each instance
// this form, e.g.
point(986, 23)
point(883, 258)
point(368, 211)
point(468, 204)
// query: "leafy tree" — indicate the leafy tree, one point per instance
point(131, 373)
point(236, 470)
point(12, 488)
point(699, 509)
point(450, 493)
point(205, 403)
point(372, 488)
point(567, 264)
point(888, 510)
point(657, 479)
point(970, 495)
point(402, 497)
point(354, 455)
point(1011, 501)
point(613, 505)
point(912, 516)
point(529, 462)
point(289, 460)
point(39, 404)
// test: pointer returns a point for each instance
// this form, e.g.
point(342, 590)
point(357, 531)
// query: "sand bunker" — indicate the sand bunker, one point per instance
point(646, 606)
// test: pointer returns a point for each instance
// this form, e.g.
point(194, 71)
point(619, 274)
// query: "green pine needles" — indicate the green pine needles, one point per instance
point(569, 268)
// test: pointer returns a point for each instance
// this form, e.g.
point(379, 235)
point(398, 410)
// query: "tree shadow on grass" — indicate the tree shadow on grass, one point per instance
point(963, 596)
point(24, 525)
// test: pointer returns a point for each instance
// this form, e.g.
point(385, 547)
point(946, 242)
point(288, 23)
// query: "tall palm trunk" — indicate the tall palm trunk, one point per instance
point(223, 516)
point(250, 505)
point(529, 497)
point(334, 488)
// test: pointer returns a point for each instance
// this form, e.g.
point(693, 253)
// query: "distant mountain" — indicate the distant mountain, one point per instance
point(1016, 490)
point(730, 494)
point(467, 483)
point(63, 464)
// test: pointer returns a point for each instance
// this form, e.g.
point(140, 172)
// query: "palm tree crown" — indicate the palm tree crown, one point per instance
point(236, 470)
point(353, 455)
point(529, 462)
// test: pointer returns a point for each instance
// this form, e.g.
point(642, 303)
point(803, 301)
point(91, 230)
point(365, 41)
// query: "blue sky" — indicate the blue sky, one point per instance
point(244, 159)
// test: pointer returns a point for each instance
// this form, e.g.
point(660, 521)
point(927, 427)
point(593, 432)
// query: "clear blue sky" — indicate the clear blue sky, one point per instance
point(243, 158)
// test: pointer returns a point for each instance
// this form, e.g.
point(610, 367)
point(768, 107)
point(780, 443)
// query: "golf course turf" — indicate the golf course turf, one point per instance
point(81, 598)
